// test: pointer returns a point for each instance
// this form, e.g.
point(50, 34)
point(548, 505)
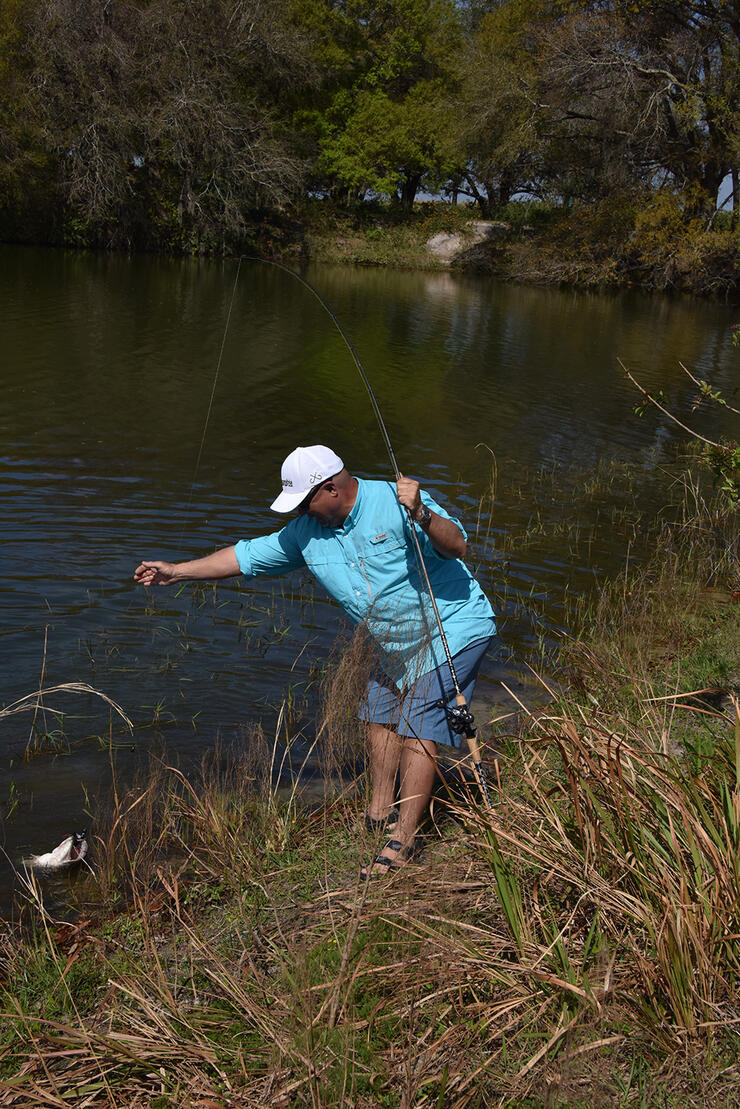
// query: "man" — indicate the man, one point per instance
point(354, 537)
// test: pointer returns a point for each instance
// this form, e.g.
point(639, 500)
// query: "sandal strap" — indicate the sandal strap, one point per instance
point(406, 853)
point(383, 860)
point(397, 846)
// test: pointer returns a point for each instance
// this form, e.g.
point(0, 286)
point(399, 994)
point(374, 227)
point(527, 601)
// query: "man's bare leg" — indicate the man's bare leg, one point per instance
point(418, 760)
point(385, 755)
point(418, 771)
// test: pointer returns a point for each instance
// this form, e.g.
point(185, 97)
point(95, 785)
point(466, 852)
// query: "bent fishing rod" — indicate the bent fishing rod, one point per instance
point(459, 716)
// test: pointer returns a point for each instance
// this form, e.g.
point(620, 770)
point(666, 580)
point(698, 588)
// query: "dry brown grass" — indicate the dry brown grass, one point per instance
point(537, 952)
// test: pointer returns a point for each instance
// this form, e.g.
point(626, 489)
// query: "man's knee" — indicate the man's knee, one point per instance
point(417, 746)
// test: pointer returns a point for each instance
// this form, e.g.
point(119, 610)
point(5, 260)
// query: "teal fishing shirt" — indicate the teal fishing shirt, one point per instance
point(368, 565)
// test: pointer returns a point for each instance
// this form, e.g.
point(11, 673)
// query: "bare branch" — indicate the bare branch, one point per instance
point(651, 398)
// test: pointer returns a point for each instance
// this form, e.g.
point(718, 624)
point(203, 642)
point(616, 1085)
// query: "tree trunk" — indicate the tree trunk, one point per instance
point(505, 188)
point(409, 189)
point(184, 202)
point(482, 199)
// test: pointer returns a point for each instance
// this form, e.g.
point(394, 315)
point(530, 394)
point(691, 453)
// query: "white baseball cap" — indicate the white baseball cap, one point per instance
point(302, 471)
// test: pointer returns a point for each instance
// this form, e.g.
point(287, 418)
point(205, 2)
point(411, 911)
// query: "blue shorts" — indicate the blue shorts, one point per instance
point(414, 712)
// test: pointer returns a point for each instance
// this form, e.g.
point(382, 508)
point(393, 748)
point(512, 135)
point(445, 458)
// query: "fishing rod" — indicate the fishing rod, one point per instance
point(459, 716)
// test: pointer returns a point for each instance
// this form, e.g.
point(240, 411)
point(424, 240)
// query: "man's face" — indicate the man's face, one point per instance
point(324, 504)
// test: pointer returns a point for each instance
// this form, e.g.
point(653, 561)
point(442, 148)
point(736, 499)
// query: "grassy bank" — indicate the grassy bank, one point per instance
point(379, 235)
point(609, 245)
point(579, 945)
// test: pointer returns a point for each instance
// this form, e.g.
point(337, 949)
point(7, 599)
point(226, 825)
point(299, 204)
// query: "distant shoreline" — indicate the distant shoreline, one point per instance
point(530, 244)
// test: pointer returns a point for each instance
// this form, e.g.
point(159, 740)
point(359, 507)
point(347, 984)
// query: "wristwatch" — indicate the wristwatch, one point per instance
point(423, 516)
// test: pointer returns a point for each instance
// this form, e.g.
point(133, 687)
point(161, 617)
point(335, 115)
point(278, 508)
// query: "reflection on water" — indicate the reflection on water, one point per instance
point(108, 368)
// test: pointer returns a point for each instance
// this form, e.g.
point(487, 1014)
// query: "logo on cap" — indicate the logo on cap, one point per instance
point(287, 481)
point(314, 478)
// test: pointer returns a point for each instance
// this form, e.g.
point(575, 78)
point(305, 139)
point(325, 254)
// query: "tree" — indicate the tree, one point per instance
point(497, 114)
point(26, 175)
point(161, 118)
point(648, 91)
point(379, 121)
point(583, 99)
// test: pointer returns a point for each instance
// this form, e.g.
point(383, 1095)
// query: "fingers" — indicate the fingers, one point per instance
point(153, 573)
point(408, 493)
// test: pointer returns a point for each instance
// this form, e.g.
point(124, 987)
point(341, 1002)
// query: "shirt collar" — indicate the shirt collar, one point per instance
point(356, 509)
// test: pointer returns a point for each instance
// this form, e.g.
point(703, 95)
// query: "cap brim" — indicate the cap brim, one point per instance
point(288, 502)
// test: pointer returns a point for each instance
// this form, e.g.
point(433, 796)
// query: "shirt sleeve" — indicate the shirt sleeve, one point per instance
point(269, 554)
point(431, 503)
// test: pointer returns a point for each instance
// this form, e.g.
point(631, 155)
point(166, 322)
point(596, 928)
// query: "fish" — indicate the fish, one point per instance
point(72, 849)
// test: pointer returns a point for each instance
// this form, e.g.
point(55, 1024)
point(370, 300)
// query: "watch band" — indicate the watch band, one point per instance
point(424, 515)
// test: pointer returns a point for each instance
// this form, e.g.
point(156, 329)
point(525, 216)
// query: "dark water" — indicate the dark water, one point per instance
point(108, 367)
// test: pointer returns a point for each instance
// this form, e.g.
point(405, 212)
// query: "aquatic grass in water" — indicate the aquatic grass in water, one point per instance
point(39, 738)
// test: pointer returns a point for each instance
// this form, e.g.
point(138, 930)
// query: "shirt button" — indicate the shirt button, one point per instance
point(351, 563)
point(357, 592)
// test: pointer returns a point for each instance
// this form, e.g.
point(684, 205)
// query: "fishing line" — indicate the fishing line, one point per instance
point(327, 307)
point(210, 404)
point(218, 370)
point(394, 463)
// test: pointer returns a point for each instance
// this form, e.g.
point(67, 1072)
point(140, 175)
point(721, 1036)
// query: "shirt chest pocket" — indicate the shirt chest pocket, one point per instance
point(385, 541)
point(325, 560)
point(384, 558)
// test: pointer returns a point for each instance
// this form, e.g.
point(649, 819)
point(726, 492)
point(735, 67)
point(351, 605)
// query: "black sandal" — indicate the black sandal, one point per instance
point(405, 853)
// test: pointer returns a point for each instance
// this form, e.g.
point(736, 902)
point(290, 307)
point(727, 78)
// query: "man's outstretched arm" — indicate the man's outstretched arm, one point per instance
point(220, 564)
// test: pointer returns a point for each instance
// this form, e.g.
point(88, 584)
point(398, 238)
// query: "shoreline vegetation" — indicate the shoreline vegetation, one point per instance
point(528, 242)
point(577, 946)
point(312, 128)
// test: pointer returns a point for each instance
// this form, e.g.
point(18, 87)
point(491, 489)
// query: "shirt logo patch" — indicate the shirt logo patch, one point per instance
point(383, 535)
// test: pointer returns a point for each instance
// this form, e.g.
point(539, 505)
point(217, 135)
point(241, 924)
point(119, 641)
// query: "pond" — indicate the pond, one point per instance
point(136, 424)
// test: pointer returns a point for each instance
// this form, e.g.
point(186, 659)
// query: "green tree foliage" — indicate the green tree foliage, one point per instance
point(381, 119)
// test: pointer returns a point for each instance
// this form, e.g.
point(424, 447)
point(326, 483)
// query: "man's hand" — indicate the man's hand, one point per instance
point(446, 537)
point(155, 573)
point(220, 564)
point(409, 494)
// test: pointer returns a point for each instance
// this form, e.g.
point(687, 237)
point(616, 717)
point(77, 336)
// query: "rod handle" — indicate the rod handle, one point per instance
point(474, 749)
